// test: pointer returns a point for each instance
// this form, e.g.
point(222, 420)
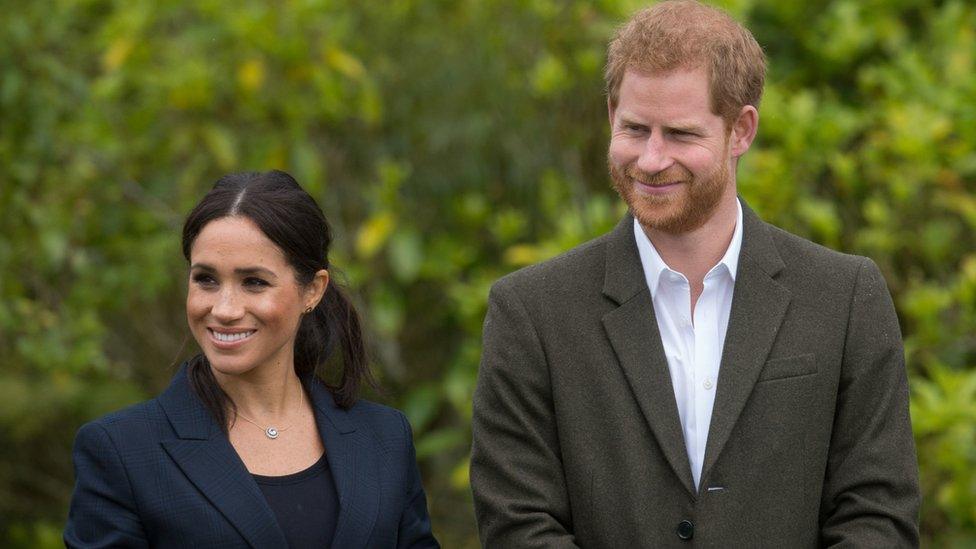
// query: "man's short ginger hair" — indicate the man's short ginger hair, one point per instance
point(685, 34)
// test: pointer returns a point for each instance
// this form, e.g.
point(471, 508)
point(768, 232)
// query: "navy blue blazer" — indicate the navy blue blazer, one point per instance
point(163, 474)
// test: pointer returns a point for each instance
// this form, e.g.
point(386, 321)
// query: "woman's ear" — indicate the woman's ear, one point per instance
point(316, 288)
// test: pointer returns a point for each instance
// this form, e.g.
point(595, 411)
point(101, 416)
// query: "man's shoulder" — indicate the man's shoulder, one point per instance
point(799, 253)
point(582, 265)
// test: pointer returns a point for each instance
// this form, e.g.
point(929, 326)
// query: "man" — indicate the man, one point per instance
point(696, 376)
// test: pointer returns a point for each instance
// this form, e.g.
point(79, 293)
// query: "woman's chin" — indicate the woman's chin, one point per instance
point(229, 366)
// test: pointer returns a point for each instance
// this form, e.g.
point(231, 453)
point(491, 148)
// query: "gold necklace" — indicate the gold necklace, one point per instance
point(271, 431)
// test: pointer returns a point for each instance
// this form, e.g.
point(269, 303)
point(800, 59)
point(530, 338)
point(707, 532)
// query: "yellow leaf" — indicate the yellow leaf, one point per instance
point(117, 53)
point(460, 478)
point(345, 63)
point(549, 76)
point(522, 254)
point(250, 74)
point(374, 233)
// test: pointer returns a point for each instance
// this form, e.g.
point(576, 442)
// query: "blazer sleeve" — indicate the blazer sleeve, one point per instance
point(517, 476)
point(103, 511)
point(871, 495)
point(414, 529)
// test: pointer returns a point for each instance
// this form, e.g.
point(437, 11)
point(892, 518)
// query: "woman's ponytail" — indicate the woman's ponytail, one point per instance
point(334, 323)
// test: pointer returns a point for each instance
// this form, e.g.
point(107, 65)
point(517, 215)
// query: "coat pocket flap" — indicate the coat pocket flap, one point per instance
point(786, 367)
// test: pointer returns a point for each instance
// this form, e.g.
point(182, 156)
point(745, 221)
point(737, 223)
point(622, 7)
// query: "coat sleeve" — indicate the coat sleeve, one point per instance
point(871, 494)
point(414, 529)
point(517, 476)
point(103, 511)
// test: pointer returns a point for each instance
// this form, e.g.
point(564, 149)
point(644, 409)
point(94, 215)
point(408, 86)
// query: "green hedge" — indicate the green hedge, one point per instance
point(449, 142)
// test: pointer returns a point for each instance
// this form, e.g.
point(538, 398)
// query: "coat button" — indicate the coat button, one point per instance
point(686, 530)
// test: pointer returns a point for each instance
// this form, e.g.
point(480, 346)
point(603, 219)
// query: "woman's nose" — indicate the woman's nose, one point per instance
point(228, 306)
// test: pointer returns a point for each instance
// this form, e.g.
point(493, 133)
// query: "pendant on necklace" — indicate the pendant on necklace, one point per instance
point(271, 432)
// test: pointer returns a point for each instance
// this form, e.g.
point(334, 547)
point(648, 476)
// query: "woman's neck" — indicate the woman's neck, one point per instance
point(268, 394)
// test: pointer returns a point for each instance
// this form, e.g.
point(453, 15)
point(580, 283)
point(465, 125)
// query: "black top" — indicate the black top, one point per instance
point(305, 504)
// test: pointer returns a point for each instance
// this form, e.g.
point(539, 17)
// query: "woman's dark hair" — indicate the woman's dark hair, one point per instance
point(290, 218)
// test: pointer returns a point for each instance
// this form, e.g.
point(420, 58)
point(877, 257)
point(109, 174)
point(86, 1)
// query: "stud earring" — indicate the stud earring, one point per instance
point(308, 310)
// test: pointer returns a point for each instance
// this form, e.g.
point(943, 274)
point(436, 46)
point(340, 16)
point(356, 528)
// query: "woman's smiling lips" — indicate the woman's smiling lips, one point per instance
point(229, 339)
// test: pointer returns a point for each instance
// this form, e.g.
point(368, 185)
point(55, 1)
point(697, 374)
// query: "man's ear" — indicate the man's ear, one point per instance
point(743, 131)
point(610, 111)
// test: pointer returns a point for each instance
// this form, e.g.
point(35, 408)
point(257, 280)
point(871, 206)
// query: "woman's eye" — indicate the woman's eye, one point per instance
point(252, 282)
point(204, 280)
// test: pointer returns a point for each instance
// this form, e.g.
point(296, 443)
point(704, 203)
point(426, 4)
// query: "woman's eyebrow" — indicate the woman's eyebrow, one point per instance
point(241, 271)
point(245, 271)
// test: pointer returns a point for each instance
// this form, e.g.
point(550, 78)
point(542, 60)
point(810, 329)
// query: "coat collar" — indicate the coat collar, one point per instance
point(624, 275)
point(353, 459)
point(205, 455)
point(758, 306)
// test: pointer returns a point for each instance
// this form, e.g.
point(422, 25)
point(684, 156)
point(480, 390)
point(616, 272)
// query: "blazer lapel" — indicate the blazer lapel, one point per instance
point(351, 454)
point(633, 332)
point(205, 455)
point(759, 304)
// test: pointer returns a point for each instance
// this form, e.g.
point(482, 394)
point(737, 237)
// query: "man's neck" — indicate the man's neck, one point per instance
point(695, 252)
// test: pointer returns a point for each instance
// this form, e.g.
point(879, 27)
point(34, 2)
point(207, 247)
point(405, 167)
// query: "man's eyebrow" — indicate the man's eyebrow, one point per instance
point(689, 127)
point(629, 120)
point(682, 126)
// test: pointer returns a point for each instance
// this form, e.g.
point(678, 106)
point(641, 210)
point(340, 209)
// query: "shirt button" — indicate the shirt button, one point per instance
point(707, 384)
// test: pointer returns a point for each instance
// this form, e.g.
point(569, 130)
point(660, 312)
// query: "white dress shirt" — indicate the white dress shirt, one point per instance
point(693, 349)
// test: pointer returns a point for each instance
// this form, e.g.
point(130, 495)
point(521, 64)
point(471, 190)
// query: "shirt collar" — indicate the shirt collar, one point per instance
point(654, 265)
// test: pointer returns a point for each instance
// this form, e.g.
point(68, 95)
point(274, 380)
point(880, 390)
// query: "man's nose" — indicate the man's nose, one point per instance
point(654, 156)
point(228, 306)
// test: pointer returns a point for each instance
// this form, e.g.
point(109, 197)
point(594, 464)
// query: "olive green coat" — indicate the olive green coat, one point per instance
point(577, 440)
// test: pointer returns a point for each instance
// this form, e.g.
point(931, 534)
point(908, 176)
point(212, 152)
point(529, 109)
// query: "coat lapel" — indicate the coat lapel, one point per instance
point(759, 304)
point(205, 455)
point(352, 457)
point(633, 332)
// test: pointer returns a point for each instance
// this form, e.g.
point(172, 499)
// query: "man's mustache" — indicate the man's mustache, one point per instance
point(671, 175)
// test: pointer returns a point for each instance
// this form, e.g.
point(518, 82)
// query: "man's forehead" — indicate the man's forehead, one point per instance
point(680, 94)
point(695, 76)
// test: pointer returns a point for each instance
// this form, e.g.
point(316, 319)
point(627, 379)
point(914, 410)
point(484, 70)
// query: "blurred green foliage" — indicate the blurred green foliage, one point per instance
point(449, 142)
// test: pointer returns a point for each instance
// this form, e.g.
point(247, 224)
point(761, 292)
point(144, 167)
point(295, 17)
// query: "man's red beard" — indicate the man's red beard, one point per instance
point(680, 211)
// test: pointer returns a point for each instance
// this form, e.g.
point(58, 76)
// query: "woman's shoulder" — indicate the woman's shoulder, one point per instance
point(368, 409)
point(379, 417)
point(386, 425)
point(363, 414)
point(130, 423)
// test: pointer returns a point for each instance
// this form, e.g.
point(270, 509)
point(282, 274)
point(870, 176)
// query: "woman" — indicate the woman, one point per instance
point(247, 446)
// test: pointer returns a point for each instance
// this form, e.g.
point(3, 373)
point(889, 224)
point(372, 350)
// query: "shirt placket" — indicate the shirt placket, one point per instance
point(681, 305)
point(705, 322)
